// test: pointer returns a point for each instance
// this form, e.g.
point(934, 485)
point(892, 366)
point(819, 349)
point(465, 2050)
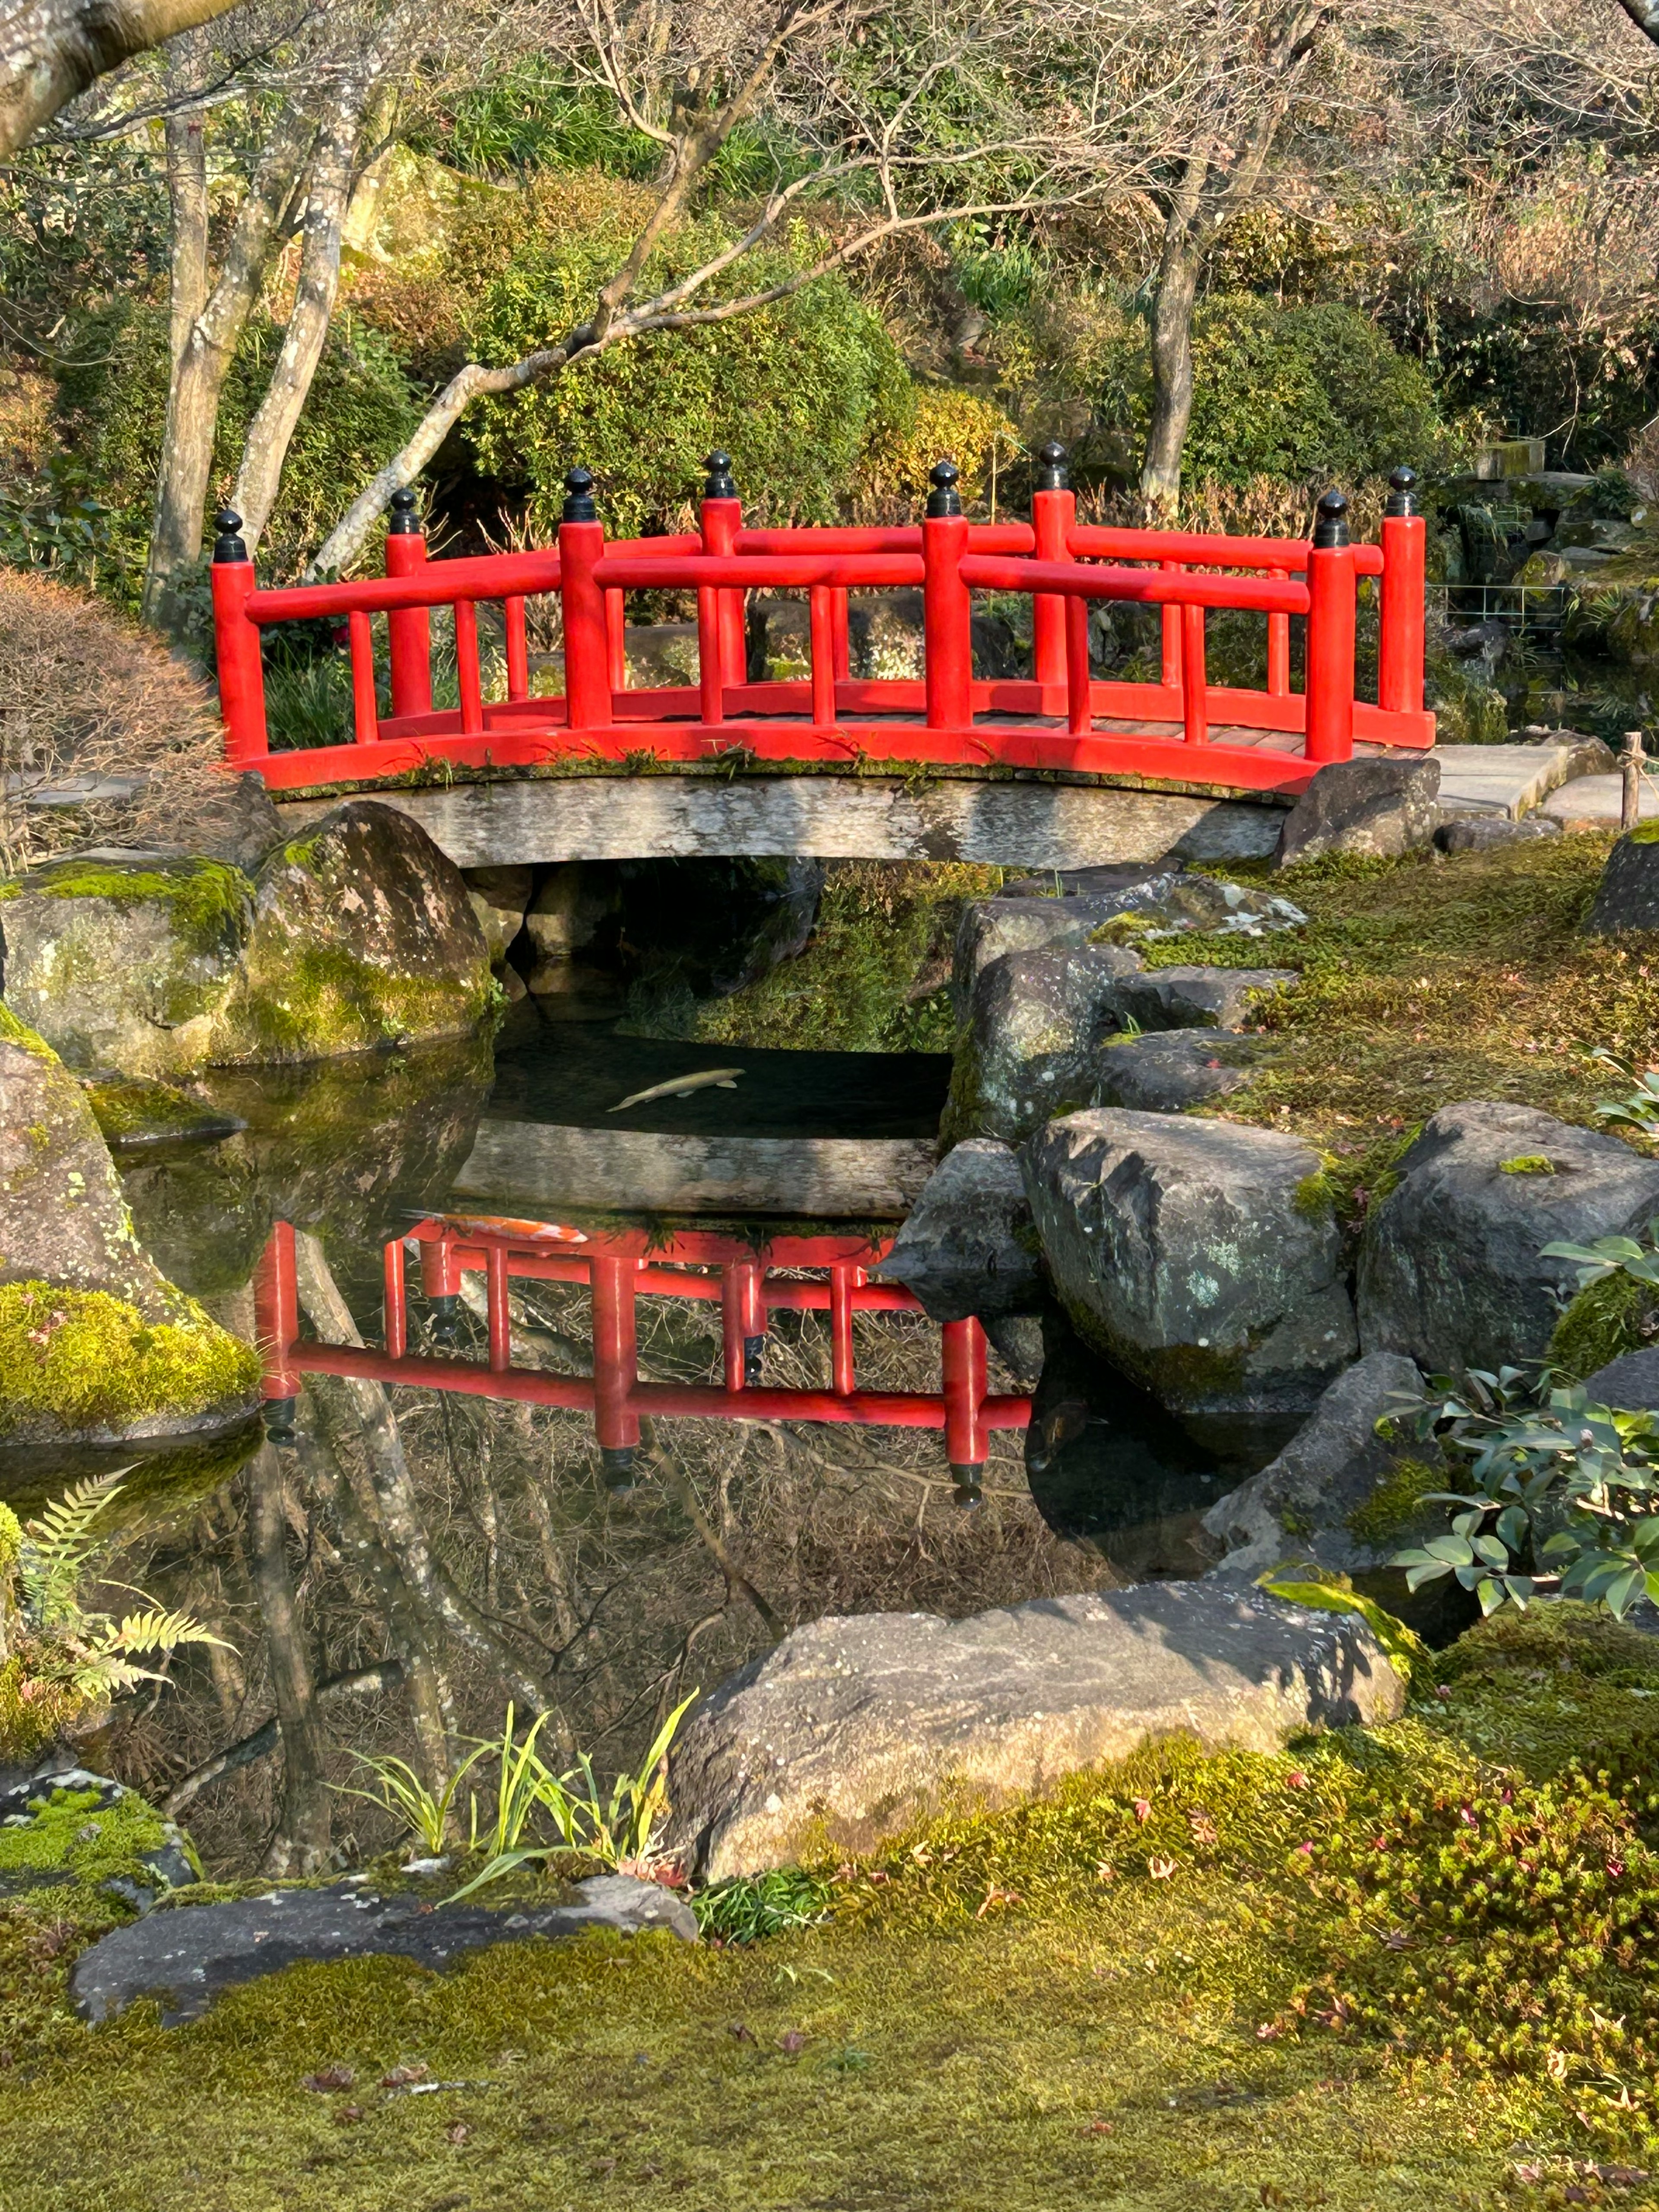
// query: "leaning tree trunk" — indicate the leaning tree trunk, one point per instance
point(50, 50)
point(1175, 296)
point(328, 194)
point(300, 1843)
point(200, 370)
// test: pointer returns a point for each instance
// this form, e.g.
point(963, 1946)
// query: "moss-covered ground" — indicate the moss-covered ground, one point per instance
point(86, 1360)
point(1427, 980)
point(1381, 1973)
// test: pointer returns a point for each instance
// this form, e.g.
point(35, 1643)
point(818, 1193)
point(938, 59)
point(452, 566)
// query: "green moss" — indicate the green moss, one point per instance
point(12, 1031)
point(1315, 1197)
point(1300, 1583)
point(319, 1001)
point(1527, 1164)
point(70, 1836)
point(1602, 1320)
point(134, 1113)
point(211, 904)
point(33, 1714)
point(11, 1541)
point(85, 1360)
point(1393, 1507)
point(1646, 833)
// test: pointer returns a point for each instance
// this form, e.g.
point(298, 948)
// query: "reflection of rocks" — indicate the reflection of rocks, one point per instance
point(851, 1731)
point(1202, 1257)
point(350, 1148)
point(189, 1955)
point(95, 1343)
point(56, 1818)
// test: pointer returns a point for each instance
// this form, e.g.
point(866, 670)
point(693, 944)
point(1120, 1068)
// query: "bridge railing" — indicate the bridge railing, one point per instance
point(1179, 728)
point(618, 1267)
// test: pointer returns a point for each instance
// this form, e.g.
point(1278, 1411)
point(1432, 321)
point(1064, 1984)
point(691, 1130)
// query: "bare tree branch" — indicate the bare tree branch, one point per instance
point(53, 50)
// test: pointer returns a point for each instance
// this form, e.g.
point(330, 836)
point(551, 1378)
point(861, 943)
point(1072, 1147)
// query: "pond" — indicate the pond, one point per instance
point(419, 1555)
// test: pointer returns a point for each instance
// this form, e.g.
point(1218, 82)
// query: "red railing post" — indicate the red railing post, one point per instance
point(441, 1286)
point(946, 608)
point(843, 1281)
point(743, 1316)
point(721, 518)
point(1405, 544)
point(276, 1325)
point(1170, 626)
point(394, 1261)
point(1278, 646)
point(236, 647)
point(497, 1315)
point(1330, 634)
point(822, 647)
point(1054, 511)
point(1194, 681)
point(1080, 698)
point(587, 652)
point(962, 1361)
point(615, 1422)
point(409, 629)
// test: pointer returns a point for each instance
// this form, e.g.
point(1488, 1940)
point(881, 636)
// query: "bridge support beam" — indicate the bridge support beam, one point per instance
point(501, 823)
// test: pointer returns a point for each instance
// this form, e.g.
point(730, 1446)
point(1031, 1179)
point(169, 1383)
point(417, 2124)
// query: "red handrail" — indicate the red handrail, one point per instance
point(1183, 727)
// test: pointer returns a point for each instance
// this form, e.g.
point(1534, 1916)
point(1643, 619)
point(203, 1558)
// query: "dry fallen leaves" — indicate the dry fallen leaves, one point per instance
point(331, 2077)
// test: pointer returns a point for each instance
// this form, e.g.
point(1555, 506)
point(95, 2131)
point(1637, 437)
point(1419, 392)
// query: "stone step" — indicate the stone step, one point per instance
point(1597, 802)
point(1515, 780)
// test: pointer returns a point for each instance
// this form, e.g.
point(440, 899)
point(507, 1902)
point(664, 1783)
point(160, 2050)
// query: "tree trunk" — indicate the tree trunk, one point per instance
point(1174, 298)
point(200, 370)
point(300, 1844)
point(327, 197)
point(187, 193)
point(50, 50)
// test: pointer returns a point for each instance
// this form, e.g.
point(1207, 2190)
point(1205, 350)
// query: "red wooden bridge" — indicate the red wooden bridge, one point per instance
point(1181, 729)
point(826, 1273)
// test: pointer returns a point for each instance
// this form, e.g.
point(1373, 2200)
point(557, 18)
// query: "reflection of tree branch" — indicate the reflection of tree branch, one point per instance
point(364, 1682)
point(680, 1484)
point(299, 1843)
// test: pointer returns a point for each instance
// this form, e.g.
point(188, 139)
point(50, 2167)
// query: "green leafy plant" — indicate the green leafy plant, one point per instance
point(1568, 1484)
point(750, 1906)
point(425, 1814)
point(57, 1641)
point(617, 1827)
point(1639, 1108)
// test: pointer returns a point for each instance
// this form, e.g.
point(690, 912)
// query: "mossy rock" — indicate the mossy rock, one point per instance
point(134, 1114)
point(125, 964)
point(363, 938)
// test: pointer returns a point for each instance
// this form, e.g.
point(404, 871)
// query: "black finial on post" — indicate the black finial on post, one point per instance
point(1331, 521)
point(1054, 472)
point(1403, 493)
point(945, 498)
point(228, 545)
point(578, 497)
point(720, 485)
point(404, 522)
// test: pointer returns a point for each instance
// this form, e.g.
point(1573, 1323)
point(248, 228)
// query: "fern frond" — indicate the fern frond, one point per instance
point(58, 1544)
point(155, 1630)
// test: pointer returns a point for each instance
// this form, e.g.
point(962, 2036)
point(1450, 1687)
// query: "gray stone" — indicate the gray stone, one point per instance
point(1200, 1256)
point(125, 963)
point(187, 1956)
point(1630, 1383)
point(1627, 897)
point(1029, 1052)
point(241, 826)
point(499, 896)
point(1299, 1506)
point(970, 1246)
point(851, 1731)
point(1017, 921)
point(1486, 833)
point(1198, 998)
point(1377, 806)
point(1167, 1071)
point(1450, 1272)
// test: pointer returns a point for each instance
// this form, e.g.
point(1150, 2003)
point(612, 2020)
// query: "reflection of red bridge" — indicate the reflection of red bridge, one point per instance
point(620, 1266)
point(1181, 729)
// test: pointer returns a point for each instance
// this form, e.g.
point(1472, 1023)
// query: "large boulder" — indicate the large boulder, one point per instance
point(1031, 1045)
point(1304, 1504)
point(850, 1731)
point(1166, 1071)
point(500, 897)
point(189, 1954)
point(357, 936)
point(1627, 897)
point(1449, 1267)
point(1202, 1257)
point(125, 964)
point(96, 1346)
point(1198, 998)
point(1630, 1382)
point(364, 937)
point(970, 1246)
point(1378, 807)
